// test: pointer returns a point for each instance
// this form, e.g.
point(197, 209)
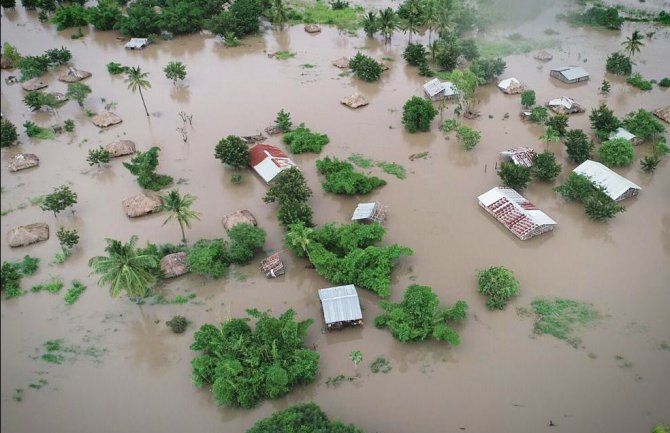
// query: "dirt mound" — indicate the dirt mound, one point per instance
point(141, 204)
point(105, 119)
point(355, 100)
point(239, 217)
point(174, 265)
point(26, 235)
point(21, 161)
point(120, 148)
point(34, 84)
point(312, 28)
point(543, 56)
point(342, 63)
point(73, 75)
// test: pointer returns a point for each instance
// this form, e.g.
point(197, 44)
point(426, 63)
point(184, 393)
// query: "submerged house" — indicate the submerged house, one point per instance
point(340, 306)
point(137, 43)
point(369, 212)
point(268, 161)
point(564, 105)
point(511, 86)
point(436, 89)
point(570, 74)
point(515, 212)
point(623, 133)
point(616, 186)
point(522, 156)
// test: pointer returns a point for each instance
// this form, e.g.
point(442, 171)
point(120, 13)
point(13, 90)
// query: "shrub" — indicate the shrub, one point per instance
point(74, 292)
point(177, 324)
point(578, 146)
point(425, 71)
point(8, 134)
point(499, 284)
point(141, 20)
point(342, 179)
point(246, 241)
point(636, 80)
point(603, 121)
point(233, 151)
point(616, 152)
point(245, 365)
point(643, 124)
point(417, 113)
point(302, 140)
point(98, 156)
point(33, 66)
point(78, 92)
point(415, 54)
point(545, 166)
point(514, 176)
point(528, 98)
point(283, 121)
point(58, 56)
point(488, 69)
point(365, 68)
point(69, 125)
point(304, 417)
point(35, 100)
point(539, 114)
point(447, 52)
point(10, 55)
point(468, 137)
point(599, 207)
point(60, 199)
point(559, 123)
point(35, 131)
point(290, 189)
point(72, 15)
point(28, 265)
point(116, 68)
point(449, 125)
point(665, 82)
point(10, 280)
point(649, 163)
point(67, 238)
point(469, 49)
point(241, 18)
point(619, 64)
point(143, 165)
point(576, 187)
point(209, 258)
point(418, 317)
point(104, 15)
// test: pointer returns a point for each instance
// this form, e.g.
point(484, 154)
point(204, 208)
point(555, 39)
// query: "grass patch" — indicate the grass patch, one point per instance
point(37, 201)
point(74, 292)
point(283, 55)
point(338, 380)
point(636, 80)
point(53, 358)
point(392, 168)
point(361, 161)
point(308, 66)
point(54, 286)
point(18, 394)
point(39, 384)
point(321, 13)
point(562, 318)
point(179, 299)
point(512, 45)
point(380, 365)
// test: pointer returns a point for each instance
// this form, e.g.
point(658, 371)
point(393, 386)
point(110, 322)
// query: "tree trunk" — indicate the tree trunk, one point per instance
point(143, 103)
point(183, 235)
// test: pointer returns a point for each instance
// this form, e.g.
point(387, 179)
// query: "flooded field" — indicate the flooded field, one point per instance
point(501, 378)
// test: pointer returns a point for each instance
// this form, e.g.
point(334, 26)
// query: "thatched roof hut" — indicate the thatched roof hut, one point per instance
point(251, 139)
point(543, 56)
point(342, 63)
point(21, 161)
point(26, 235)
point(239, 217)
point(105, 119)
point(312, 28)
point(120, 148)
point(174, 265)
point(141, 204)
point(663, 113)
point(73, 75)
point(355, 100)
point(34, 84)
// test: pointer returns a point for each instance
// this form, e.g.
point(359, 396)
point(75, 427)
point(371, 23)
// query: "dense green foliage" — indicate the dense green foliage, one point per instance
point(346, 254)
point(78, 92)
point(209, 257)
point(415, 54)
point(562, 318)
point(514, 176)
point(283, 121)
point(664, 82)
point(74, 292)
point(60, 199)
point(301, 418)
point(488, 69)
point(104, 15)
point(246, 240)
point(233, 151)
point(576, 187)
point(143, 165)
point(116, 68)
point(643, 124)
point(578, 146)
point(8, 134)
point(636, 80)
point(8, 4)
point(419, 317)
point(366, 68)
point(35, 100)
point(539, 114)
point(528, 98)
point(417, 113)
point(649, 163)
point(342, 179)
point(241, 18)
point(98, 156)
point(72, 15)
point(603, 121)
point(35, 131)
point(601, 207)
point(67, 238)
point(10, 279)
point(175, 70)
point(499, 284)
point(597, 205)
point(10, 55)
point(598, 16)
point(302, 140)
point(291, 191)
point(616, 152)
point(559, 123)
point(545, 166)
point(177, 324)
point(619, 64)
point(468, 137)
point(245, 366)
point(140, 20)
point(69, 125)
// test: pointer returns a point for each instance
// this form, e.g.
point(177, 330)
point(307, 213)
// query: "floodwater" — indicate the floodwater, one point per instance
point(500, 379)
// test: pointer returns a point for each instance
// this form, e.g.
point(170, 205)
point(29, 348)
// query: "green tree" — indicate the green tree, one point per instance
point(558, 123)
point(414, 54)
point(35, 100)
point(365, 67)
point(124, 269)
point(298, 235)
point(137, 80)
point(448, 52)
point(514, 176)
point(576, 187)
point(60, 199)
point(539, 114)
point(233, 151)
point(466, 82)
point(179, 208)
point(649, 163)
point(616, 152)
point(72, 15)
point(10, 55)
point(175, 71)
point(370, 24)
point(578, 146)
point(8, 4)
point(181, 17)
point(104, 15)
point(78, 92)
point(387, 23)
point(67, 238)
point(303, 139)
point(141, 20)
point(643, 124)
point(528, 98)
point(8, 134)
point(603, 121)
point(410, 13)
point(342, 179)
point(356, 356)
point(545, 167)
point(98, 156)
point(619, 64)
point(499, 284)
point(550, 136)
point(305, 417)
point(246, 241)
point(600, 207)
point(291, 191)
point(143, 165)
point(488, 69)
point(633, 43)
point(605, 87)
point(283, 121)
point(209, 257)
point(468, 137)
point(279, 15)
point(431, 15)
point(417, 113)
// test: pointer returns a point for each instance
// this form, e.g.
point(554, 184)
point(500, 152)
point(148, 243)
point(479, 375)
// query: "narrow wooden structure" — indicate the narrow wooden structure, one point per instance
point(272, 266)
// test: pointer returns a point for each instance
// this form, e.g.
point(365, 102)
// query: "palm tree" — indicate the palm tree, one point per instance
point(445, 17)
point(550, 135)
point(434, 48)
point(124, 269)
point(279, 13)
point(180, 210)
point(299, 236)
point(411, 14)
point(388, 23)
point(431, 15)
point(633, 43)
point(370, 24)
point(137, 80)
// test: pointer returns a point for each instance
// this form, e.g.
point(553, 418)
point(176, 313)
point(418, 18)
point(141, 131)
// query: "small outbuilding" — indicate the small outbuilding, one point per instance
point(616, 186)
point(340, 306)
point(370, 212)
point(268, 161)
point(240, 217)
point(570, 74)
point(436, 89)
point(28, 234)
point(511, 86)
point(272, 266)
point(21, 161)
point(33, 84)
point(564, 105)
point(72, 75)
point(522, 156)
point(312, 28)
point(174, 265)
point(137, 43)
point(625, 134)
point(515, 212)
point(543, 56)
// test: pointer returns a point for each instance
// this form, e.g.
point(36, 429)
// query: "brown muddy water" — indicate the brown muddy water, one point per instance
point(500, 379)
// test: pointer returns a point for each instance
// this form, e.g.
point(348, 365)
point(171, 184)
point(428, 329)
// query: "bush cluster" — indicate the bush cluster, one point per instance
point(597, 204)
point(366, 68)
point(302, 139)
point(342, 179)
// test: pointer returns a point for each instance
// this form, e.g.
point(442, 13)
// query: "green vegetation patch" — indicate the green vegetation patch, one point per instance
point(74, 292)
point(301, 418)
point(284, 55)
point(393, 168)
point(339, 380)
point(380, 365)
point(179, 299)
point(361, 161)
point(636, 80)
point(563, 318)
point(321, 13)
point(342, 179)
point(509, 46)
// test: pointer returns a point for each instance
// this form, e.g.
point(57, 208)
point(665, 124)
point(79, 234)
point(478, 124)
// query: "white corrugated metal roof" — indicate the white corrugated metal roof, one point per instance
point(563, 101)
point(622, 133)
point(520, 155)
point(271, 166)
point(507, 83)
point(340, 304)
point(434, 87)
point(615, 185)
point(137, 43)
point(521, 204)
point(572, 72)
point(363, 211)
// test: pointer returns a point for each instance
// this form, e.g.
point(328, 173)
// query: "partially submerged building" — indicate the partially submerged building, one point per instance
point(625, 134)
point(137, 43)
point(511, 86)
point(436, 89)
point(522, 156)
point(515, 212)
point(340, 306)
point(369, 212)
point(268, 161)
point(564, 105)
point(616, 186)
point(570, 74)
point(663, 113)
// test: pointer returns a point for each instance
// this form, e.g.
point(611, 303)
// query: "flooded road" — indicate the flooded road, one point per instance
point(500, 379)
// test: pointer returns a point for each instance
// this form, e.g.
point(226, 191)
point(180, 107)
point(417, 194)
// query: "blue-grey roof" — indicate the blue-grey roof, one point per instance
point(572, 72)
point(363, 211)
point(340, 304)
